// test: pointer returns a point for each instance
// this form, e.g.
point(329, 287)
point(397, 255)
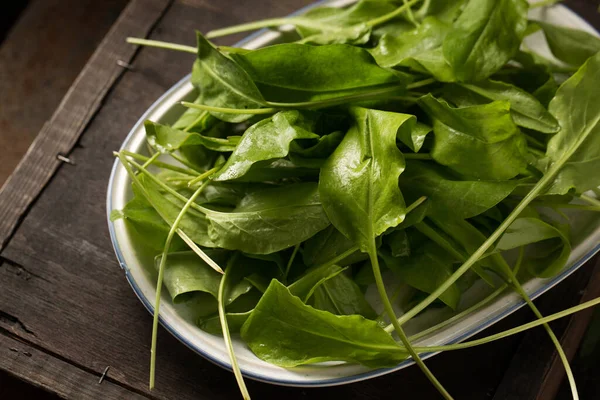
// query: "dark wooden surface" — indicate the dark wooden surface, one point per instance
point(66, 311)
point(40, 57)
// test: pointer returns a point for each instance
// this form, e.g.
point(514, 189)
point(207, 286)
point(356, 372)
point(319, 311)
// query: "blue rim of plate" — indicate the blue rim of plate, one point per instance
point(268, 379)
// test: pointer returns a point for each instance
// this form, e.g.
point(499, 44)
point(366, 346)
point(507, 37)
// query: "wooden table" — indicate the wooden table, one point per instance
point(66, 311)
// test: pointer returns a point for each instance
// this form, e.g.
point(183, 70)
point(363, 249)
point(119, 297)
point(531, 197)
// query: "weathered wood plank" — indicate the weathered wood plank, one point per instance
point(42, 55)
point(50, 373)
point(61, 132)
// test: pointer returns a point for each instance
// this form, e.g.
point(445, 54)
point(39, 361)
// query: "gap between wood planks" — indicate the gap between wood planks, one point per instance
point(77, 109)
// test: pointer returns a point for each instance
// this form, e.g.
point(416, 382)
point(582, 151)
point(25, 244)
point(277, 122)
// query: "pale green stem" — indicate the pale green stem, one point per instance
point(162, 45)
point(227, 335)
point(178, 47)
point(387, 17)
point(590, 200)
point(509, 332)
point(161, 271)
point(150, 160)
point(160, 164)
point(368, 95)
point(387, 305)
point(410, 15)
point(203, 176)
point(561, 353)
point(184, 162)
point(422, 83)
point(270, 23)
point(489, 242)
point(291, 261)
point(198, 119)
point(179, 196)
point(225, 110)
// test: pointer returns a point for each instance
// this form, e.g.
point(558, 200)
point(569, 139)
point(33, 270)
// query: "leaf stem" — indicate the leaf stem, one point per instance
point(196, 121)
point(422, 83)
point(225, 110)
point(161, 271)
point(489, 242)
point(160, 164)
point(387, 305)
point(269, 23)
point(561, 353)
point(291, 261)
point(203, 176)
point(179, 196)
point(513, 331)
point(162, 45)
point(590, 200)
point(184, 162)
point(366, 95)
point(389, 16)
point(225, 328)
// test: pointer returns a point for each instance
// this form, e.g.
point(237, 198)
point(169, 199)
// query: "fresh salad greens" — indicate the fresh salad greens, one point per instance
point(415, 144)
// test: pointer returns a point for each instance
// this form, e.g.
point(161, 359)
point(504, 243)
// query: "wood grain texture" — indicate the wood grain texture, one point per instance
point(42, 55)
point(60, 377)
point(80, 308)
point(61, 132)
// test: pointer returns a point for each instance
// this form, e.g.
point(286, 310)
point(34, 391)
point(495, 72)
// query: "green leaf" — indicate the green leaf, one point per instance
point(186, 273)
point(147, 225)
point(450, 196)
point(193, 223)
point(223, 83)
point(305, 286)
point(525, 109)
point(341, 296)
point(195, 120)
point(295, 72)
point(487, 35)
point(166, 139)
point(549, 256)
point(444, 10)
point(285, 332)
point(431, 62)
point(392, 50)
point(398, 243)
point(572, 46)
point(269, 220)
point(576, 148)
point(486, 130)
point(327, 245)
point(425, 270)
point(275, 170)
point(414, 137)
point(315, 155)
point(359, 182)
point(267, 140)
point(335, 17)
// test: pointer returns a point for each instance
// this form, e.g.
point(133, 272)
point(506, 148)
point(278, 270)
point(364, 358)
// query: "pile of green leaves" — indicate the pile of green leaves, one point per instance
point(418, 141)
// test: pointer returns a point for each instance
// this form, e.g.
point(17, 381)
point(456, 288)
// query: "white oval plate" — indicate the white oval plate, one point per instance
point(586, 242)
